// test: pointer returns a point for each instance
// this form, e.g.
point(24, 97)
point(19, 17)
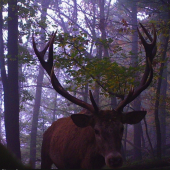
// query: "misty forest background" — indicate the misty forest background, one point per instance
point(96, 47)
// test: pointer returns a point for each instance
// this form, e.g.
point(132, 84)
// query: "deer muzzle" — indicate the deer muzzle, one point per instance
point(114, 160)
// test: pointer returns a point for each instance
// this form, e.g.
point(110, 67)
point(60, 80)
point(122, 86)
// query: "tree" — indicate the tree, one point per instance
point(10, 82)
point(164, 43)
point(137, 102)
point(162, 16)
point(36, 109)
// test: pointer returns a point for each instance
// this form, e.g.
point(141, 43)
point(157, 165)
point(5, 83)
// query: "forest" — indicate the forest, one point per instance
point(97, 47)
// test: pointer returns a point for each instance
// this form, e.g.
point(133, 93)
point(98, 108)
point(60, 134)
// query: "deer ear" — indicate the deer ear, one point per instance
point(81, 120)
point(133, 117)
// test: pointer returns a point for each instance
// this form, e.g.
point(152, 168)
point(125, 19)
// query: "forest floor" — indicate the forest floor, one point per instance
point(147, 164)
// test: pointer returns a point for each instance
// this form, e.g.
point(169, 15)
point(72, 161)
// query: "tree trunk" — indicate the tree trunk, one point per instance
point(35, 116)
point(55, 108)
point(125, 137)
point(164, 41)
point(1, 61)
point(45, 4)
point(12, 96)
point(101, 50)
point(1, 111)
point(137, 101)
point(113, 102)
point(137, 133)
point(86, 91)
point(162, 109)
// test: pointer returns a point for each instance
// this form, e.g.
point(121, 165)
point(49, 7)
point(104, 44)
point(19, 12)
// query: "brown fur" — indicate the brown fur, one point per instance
point(65, 137)
point(69, 146)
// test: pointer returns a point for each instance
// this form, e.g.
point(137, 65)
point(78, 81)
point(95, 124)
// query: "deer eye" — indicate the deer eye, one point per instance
point(96, 132)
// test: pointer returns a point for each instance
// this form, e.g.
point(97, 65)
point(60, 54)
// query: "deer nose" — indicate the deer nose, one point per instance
point(114, 160)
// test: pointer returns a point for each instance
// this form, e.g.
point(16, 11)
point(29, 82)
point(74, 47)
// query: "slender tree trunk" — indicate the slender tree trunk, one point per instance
point(164, 39)
point(45, 4)
point(86, 93)
point(137, 101)
point(162, 109)
point(157, 102)
point(35, 116)
point(1, 59)
point(101, 51)
point(147, 134)
point(1, 111)
point(113, 102)
point(10, 85)
point(55, 108)
point(137, 133)
point(125, 137)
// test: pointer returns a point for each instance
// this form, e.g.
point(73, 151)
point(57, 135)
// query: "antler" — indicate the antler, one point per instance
point(48, 66)
point(150, 50)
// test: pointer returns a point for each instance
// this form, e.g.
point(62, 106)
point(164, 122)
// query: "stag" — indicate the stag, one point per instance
point(92, 138)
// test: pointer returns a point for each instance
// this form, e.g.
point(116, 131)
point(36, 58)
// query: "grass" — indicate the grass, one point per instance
point(146, 164)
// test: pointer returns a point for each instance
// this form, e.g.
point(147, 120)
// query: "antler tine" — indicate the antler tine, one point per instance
point(150, 50)
point(93, 102)
point(146, 32)
point(149, 53)
point(41, 54)
point(48, 66)
point(50, 55)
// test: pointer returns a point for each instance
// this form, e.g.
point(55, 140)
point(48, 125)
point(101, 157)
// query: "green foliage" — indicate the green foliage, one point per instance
point(73, 57)
point(24, 97)
point(25, 10)
point(25, 57)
